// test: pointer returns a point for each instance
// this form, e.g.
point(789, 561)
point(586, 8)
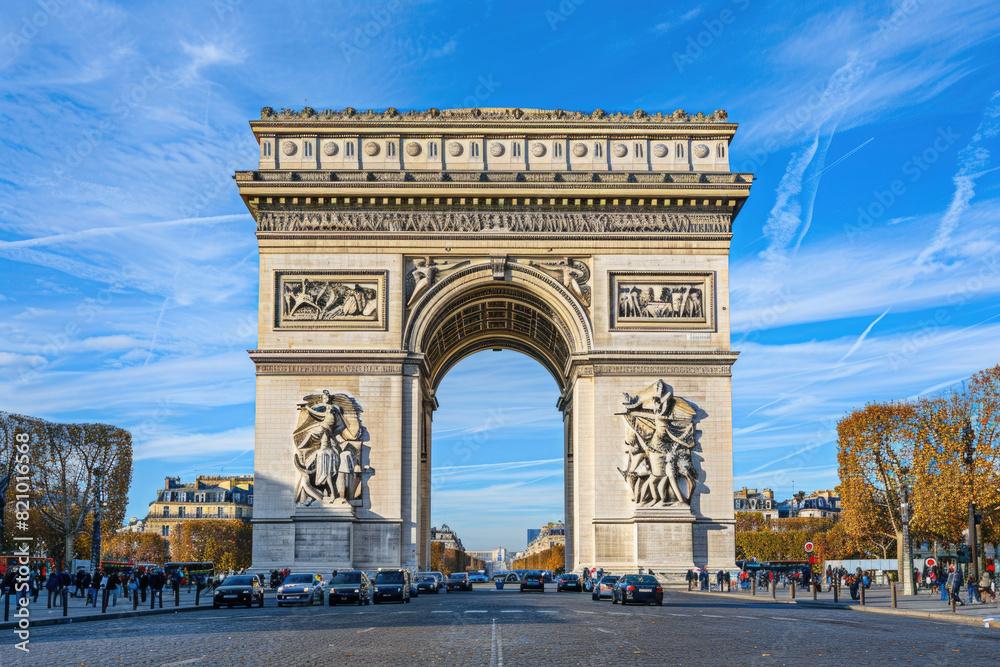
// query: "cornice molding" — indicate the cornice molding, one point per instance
point(490, 115)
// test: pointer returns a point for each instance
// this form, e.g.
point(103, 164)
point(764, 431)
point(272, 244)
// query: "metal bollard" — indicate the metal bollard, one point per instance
point(792, 587)
point(951, 596)
point(197, 595)
point(6, 606)
point(815, 588)
point(177, 597)
point(161, 597)
point(836, 592)
point(65, 602)
point(152, 598)
point(135, 600)
point(774, 590)
point(861, 591)
point(894, 595)
point(753, 586)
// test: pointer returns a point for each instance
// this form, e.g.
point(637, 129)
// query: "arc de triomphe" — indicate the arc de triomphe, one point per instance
point(394, 244)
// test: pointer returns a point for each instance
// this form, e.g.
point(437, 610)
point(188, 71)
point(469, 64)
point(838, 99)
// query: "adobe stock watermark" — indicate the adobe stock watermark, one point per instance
point(123, 107)
point(29, 26)
point(704, 39)
point(485, 88)
point(565, 9)
point(366, 33)
point(470, 443)
point(913, 169)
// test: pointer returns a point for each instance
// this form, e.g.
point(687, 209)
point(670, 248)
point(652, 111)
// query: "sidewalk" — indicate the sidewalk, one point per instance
point(877, 599)
point(78, 613)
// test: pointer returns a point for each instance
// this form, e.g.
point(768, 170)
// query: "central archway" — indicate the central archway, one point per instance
point(500, 306)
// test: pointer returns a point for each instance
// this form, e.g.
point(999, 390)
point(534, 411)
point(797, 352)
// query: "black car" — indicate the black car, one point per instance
point(350, 587)
point(242, 589)
point(427, 583)
point(533, 581)
point(641, 588)
point(304, 588)
point(457, 581)
point(569, 582)
point(391, 586)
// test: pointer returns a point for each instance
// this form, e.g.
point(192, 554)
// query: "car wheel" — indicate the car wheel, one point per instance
point(261, 603)
point(407, 600)
point(623, 601)
point(280, 604)
point(332, 602)
point(659, 603)
point(215, 606)
point(360, 600)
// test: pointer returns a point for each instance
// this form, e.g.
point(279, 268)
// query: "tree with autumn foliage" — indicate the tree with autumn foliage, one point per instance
point(135, 548)
point(228, 543)
point(553, 558)
point(876, 461)
point(945, 483)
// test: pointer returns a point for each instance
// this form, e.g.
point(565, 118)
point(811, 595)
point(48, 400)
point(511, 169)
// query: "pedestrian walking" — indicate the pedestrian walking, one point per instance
point(95, 587)
point(143, 583)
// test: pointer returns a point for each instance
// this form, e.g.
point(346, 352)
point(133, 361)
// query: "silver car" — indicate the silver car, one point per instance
point(301, 588)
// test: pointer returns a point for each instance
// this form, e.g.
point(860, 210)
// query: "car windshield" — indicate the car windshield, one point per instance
point(299, 579)
point(389, 578)
point(347, 578)
point(239, 581)
point(458, 576)
point(609, 580)
point(427, 578)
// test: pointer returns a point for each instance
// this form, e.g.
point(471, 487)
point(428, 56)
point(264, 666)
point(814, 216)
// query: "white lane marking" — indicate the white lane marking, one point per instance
point(711, 616)
point(511, 611)
point(360, 631)
point(590, 612)
point(752, 618)
point(548, 611)
point(443, 611)
point(476, 611)
point(184, 662)
point(684, 615)
point(780, 618)
point(496, 647)
point(607, 632)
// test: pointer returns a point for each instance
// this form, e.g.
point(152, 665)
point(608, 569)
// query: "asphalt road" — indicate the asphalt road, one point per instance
point(487, 627)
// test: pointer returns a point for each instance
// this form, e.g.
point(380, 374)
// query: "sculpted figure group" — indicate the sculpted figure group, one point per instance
point(328, 449)
point(661, 436)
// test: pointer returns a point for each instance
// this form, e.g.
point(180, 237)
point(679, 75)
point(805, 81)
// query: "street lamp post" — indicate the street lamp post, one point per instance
point(906, 567)
point(99, 500)
point(969, 440)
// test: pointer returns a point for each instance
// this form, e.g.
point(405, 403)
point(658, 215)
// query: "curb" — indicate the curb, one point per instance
point(930, 615)
point(62, 620)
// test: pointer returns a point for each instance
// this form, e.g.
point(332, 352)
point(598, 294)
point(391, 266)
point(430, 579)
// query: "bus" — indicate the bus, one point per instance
point(44, 566)
point(189, 569)
point(108, 566)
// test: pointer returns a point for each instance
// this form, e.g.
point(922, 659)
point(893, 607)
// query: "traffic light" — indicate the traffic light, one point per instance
point(962, 554)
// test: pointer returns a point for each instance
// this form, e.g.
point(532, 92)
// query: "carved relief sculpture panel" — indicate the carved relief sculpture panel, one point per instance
point(660, 436)
point(662, 301)
point(329, 448)
point(329, 299)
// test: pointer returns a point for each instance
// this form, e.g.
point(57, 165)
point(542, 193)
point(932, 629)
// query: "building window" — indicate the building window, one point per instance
point(474, 149)
point(180, 511)
point(680, 150)
point(598, 149)
point(165, 531)
point(349, 149)
point(166, 511)
point(638, 150)
point(720, 150)
point(390, 148)
point(218, 512)
point(432, 149)
point(266, 148)
point(249, 500)
point(308, 148)
point(517, 149)
point(558, 149)
point(197, 512)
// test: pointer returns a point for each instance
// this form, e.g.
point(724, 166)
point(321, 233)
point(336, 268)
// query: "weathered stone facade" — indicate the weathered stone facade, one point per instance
point(393, 244)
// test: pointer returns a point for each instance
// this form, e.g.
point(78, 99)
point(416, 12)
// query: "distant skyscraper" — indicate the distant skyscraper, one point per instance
point(533, 533)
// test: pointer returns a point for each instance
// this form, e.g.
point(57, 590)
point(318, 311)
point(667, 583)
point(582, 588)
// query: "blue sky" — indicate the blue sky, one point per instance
point(865, 266)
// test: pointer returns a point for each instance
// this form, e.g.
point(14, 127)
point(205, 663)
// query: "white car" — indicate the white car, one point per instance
point(301, 588)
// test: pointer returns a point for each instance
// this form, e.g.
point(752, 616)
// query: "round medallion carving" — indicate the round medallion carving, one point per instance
point(289, 148)
point(701, 150)
point(579, 149)
point(330, 148)
point(538, 149)
point(455, 148)
point(621, 150)
point(413, 149)
point(660, 150)
point(496, 149)
point(371, 148)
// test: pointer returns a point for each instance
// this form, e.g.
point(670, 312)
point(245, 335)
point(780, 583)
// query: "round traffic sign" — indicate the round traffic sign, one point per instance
point(809, 547)
point(930, 562)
